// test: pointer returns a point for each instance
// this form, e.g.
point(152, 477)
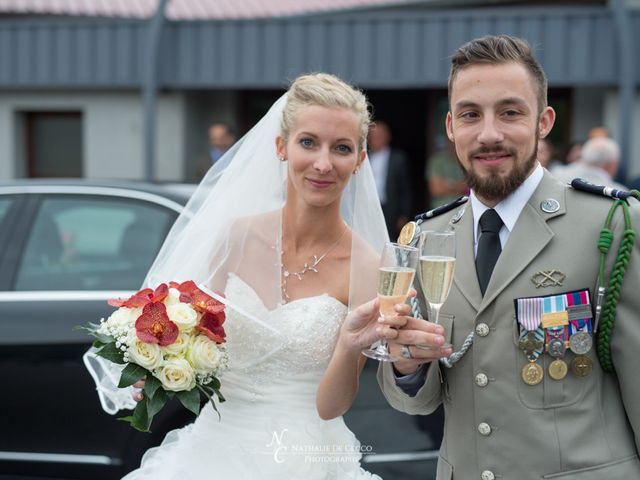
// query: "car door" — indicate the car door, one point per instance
point(64, 255)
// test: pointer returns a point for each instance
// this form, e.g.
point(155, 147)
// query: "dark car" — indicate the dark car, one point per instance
point(65, 248)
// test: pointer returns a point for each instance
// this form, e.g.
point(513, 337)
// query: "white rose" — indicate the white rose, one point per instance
point(147, 355)
point(183, 315)
point(204, 355)
point(119, 319)
point(176, 375)
point(178, 347)
point(172, 298)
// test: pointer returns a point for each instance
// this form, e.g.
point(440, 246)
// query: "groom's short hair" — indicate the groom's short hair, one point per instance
point(499, 49)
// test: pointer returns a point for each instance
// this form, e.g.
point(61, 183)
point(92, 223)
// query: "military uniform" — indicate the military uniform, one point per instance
point(496, 425)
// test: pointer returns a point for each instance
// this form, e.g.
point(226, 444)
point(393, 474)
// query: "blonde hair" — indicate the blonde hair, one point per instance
point(325, 90)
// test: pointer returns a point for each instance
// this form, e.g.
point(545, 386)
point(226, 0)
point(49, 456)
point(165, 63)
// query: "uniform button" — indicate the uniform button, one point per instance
point(482, 380)
point(482, 329)
point(488, 475)
point(484, 429)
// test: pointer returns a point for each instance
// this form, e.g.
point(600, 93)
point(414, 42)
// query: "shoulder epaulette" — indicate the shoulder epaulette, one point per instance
point(585, 186)
point(442, 209)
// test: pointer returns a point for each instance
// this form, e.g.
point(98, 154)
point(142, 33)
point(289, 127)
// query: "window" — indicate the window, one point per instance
point(92, 243)
point(53, 144)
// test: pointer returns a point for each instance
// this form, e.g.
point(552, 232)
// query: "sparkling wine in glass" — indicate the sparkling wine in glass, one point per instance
point(437, 264)
point(395, 276)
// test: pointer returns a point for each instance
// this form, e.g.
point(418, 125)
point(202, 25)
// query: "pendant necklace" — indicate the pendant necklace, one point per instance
point(308, 266)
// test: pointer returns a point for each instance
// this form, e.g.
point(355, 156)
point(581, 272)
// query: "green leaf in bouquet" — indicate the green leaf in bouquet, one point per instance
point(93, 328)
point(112, 353)
point(131, 374)
point(140, 420)
point(190, 399)
point(208, 393)
point(156, 402)
point(214, 383)
point(151, 386)
point(221, 398)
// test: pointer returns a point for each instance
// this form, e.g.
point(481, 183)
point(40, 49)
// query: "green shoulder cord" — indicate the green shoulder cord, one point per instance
point(612, 292)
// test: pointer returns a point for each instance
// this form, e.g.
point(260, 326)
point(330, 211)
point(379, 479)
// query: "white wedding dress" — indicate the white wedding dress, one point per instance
point(269, 427)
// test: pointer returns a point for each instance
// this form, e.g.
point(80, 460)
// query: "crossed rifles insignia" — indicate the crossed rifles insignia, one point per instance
point(548, 278)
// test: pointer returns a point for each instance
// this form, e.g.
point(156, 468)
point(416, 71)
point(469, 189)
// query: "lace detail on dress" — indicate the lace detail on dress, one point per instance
point(301, 342)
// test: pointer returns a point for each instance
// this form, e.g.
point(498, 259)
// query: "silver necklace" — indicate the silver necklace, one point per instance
point(308, 266)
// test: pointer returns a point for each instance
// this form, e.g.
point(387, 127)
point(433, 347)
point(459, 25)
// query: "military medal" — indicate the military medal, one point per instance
point(558, 369)
point(407, 233)
point(531, 341)
point(561, 322)
point(580, 343)
point(582, 366)
point(532, 373)
point(556, 346)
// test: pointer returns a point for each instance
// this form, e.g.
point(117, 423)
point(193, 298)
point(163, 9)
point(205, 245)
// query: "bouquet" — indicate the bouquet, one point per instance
point(174, 339)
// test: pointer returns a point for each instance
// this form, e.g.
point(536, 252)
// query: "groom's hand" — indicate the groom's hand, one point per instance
point(423, 340)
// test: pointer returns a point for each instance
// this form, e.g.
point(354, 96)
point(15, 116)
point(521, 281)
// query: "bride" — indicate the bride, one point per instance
point(289, 226)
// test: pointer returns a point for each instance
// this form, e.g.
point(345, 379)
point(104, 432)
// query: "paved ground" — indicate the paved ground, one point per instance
point(387, 431)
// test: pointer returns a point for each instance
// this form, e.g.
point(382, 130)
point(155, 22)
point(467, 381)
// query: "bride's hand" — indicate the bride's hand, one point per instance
point(364, 325)
point(137, 394)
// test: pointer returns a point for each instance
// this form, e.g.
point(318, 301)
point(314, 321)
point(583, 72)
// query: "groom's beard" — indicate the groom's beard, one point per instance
point(494, 187)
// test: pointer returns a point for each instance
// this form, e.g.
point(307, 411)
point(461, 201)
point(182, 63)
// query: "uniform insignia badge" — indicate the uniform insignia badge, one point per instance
point(457, 216)
point(548, 278)
point(550, 205)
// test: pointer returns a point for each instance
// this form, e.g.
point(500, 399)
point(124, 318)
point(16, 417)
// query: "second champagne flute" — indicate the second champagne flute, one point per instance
point(437, 263)
point(395, 276)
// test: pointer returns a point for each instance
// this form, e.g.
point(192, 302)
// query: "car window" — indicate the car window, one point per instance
point(92, 243)
point(5, 203)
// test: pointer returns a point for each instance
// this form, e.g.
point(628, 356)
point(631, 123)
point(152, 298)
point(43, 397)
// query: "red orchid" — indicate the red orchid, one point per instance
point(190, 293)
point(142, 298)
point(211, 325)
point(154, 325)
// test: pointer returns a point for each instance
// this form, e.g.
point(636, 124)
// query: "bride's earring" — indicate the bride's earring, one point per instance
point(281, 158)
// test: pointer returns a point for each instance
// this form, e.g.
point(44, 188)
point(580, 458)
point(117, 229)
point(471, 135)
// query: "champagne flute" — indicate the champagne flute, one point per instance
point(437, 263)
point(395, 276)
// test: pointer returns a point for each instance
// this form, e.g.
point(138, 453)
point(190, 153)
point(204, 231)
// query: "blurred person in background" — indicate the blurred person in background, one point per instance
point(598, 163)
point(599, 132)
point(546, 154)
point(445, 179)
point(391, 171)
point(221, 137)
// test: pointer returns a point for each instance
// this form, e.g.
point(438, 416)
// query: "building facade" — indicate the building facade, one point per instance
point(72, 89)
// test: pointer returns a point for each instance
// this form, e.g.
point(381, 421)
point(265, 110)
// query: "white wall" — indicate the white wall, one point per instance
point(112, 131)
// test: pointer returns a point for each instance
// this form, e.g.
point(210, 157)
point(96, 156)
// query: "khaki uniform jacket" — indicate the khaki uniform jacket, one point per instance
point(584, 428)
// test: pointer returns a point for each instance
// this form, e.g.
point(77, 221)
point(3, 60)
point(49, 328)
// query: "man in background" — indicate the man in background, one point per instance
point(221, 138)
point(391, 171)
point(598, 163)
point(445, 178)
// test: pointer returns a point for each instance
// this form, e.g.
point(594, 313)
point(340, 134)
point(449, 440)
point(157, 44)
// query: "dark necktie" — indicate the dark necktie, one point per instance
point(489, 247)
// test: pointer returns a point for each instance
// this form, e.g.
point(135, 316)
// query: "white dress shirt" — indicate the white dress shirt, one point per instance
point(509, 209)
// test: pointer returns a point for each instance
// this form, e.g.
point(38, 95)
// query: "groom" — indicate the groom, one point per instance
point(529, 399)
